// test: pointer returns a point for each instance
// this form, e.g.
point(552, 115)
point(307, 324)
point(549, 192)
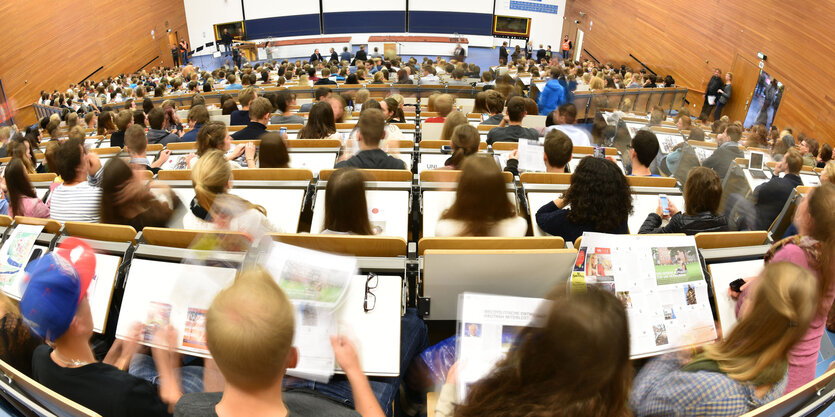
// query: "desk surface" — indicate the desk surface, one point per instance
point(439, 39)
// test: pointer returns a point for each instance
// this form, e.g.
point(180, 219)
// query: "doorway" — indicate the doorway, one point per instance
point(745, 76)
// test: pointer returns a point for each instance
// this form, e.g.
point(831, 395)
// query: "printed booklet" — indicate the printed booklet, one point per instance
point(660, 282)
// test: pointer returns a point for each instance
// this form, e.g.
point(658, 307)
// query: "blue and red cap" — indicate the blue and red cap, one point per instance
point(55, 284)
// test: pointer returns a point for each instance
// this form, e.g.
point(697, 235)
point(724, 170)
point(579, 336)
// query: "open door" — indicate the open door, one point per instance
point(745, 75)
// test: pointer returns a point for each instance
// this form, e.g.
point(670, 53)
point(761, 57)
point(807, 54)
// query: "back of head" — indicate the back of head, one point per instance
point(568, 112)
point(794, 161)
point(135, 139)
point(452, 121)
point(599, 195)
point(156, 118)
point(198, 114)
point(210, 136)
point(371, 125)
point(821, 201)
point(494, 101)
point(249, 331)
point(272, 153)
point(734, 132)
point(696, 133)
point(481, 198)
point(702, 191)
point(346, 209)
point(17, 185)
point(283, 98)
point(210, 177)
point(825, 153)
point(516, 109)
point(577, 363)
point(115, 176)
point(558, 148)
point(123, 119)
point(228, 107)
point(646, 146)
point(465, 141)
point(259, 109)
point(783, 304)
point(246, 95)
point(443, 104)
point(656, 117)
point(322, 92)
point(69, 158)
point(320, 122)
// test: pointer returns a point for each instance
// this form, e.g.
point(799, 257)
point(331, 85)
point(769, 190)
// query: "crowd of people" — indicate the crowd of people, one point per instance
point(782, 311)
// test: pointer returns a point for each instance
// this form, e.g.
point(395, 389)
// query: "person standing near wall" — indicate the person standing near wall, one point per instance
point(175, 55)
point(226, 40)
point(503, 54)
point(566, 47)
point(713, 87)
point(724, 96)
point(184, 50)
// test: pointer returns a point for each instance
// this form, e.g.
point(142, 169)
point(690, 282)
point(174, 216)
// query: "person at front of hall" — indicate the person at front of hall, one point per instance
point(226, 40)
point(503, 53)
point(566, 47)
point(316, 56)
point(183, 47)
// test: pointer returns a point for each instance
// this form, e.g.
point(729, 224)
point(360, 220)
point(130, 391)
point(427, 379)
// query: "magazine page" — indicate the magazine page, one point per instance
point(100, 290)
point(14, 256)
point(660, 282)
point(668, 141)
point(309, 276)
point(722, 274)
point(531, 155)
point(487, 329)
point(176, 162)
point(314, 327)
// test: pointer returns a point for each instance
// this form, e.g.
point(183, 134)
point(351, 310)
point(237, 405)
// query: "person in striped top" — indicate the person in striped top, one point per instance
point(78, 198)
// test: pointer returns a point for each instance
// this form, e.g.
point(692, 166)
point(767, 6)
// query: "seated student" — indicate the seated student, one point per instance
point(494, 103)
point(241, 117)
point(55, 306)
point(249, 330)
point(321, 123)
point(136, 145)
point(747, 368)
point(452, 121)
point(772, 195)
point(19, 343)
point(824, 156)
point(259, 115)
point(828, 172)
point(702, 194)
point(124, 119)
point(22, 198)
point(19, 149)
point(644, 150)
point(600, 201)
point(481, 206)
point(273, 152)
point(548, 373)
point(232, 83)
point(720, 160)
point(558, 152)
point(283, 100)
point(197, 117)
point(514, 131)
point(458, 78)
point(214, 135)
point(443, 106)
point(77, 198)
point(156, 134)
point(211, 177)
point(392, 110)
point(564, 118)
point(320, 94)
point(808, 149)
point(346, 209)
point(371, 130)
point(325, 79)
point(127, 198)
point(465, 141)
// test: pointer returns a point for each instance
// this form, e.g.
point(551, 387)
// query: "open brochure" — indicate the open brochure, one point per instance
point(316, 283)
point(660, 282)
point(15, 255)
point(487, 329)
point(531, 155)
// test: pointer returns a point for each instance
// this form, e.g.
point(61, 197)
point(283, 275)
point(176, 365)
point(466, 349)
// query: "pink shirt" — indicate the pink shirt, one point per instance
point(803, 358)
point(32, 207)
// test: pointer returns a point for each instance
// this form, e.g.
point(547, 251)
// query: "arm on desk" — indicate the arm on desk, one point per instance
point(364, 400)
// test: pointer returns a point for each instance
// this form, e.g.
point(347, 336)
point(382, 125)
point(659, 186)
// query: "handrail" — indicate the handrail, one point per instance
point(642, 64)
point(91, 74)
point(147, 63)
point(592, 56)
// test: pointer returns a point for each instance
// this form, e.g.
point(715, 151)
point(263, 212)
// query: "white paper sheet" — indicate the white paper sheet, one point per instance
point(14, 256)
point(722, 275)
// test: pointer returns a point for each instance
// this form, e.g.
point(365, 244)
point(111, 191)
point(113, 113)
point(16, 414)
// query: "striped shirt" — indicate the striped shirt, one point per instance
point(661, 388)
point(76, 203)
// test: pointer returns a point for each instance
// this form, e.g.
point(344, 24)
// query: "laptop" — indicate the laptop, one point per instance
point(755, 166)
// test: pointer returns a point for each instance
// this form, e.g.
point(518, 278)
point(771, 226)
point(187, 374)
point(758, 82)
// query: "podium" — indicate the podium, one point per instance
point(249, 50)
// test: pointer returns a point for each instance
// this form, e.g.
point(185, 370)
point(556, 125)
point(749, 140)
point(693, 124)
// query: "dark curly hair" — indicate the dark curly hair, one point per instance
point(599, 195)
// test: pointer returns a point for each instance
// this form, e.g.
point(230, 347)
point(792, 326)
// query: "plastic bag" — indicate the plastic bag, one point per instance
point(436, 360)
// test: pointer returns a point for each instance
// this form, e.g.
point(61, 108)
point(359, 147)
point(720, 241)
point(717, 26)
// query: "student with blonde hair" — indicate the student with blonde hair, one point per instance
point(481, 206)
point(443, 106)
point(452, 121)
point(745, 370)
point(214, 208)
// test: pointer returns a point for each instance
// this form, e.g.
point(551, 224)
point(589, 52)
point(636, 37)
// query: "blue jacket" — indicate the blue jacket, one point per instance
point(551, 97)
point(191, 135)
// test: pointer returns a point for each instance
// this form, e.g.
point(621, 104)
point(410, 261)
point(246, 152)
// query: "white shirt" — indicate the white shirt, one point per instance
point(75, 203)
point(578, 136)
point(251, 222)
point(430, 79)
point(511, 227)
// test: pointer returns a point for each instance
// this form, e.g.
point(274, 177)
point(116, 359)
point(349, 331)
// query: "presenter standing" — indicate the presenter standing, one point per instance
point(503, 54)
point(566, 47)
point(226, 39)
point(459, 53)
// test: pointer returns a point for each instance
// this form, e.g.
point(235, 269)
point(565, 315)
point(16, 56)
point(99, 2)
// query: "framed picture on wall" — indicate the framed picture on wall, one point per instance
point(511, 26)
point(236, 29)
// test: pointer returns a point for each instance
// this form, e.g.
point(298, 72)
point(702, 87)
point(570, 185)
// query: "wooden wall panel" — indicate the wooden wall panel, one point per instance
point(50, 44)
point(687, 39)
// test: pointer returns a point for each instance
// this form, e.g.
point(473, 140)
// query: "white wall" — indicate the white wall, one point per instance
point(463, 6)
point(259, 9)
point(546, 28)
point(333, 6)
point(202, 15)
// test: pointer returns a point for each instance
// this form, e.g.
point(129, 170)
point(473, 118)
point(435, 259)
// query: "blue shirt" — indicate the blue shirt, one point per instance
point(235, 86)
point(551, 97)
